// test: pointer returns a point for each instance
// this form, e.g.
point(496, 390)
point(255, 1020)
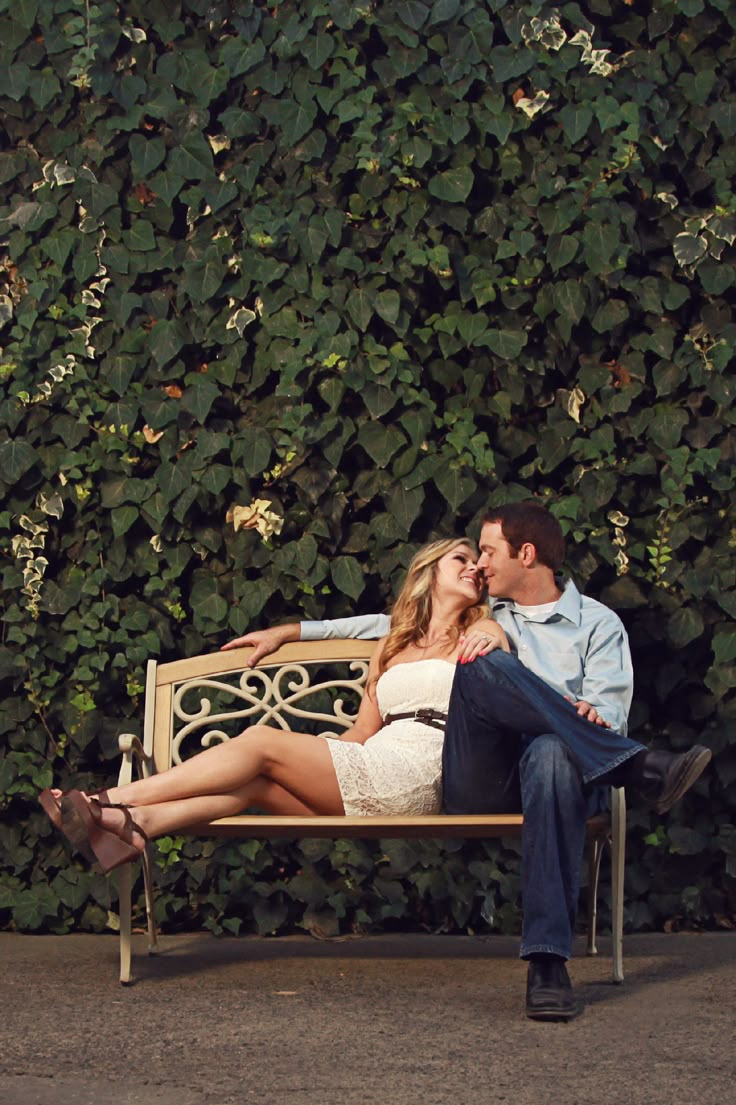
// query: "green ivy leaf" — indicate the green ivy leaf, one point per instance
point(684, 626)
point(412, 13)
point(506, 343)
point(360, 308)
point(576, 120)
point(252, 448)
point(122, 519)
point(199, 397)
point(443, 11)
point(294, 119)
point(454, 487)
point(203, 279)
point(348, 577)
point(404, 505)
point(724, 646)
point(16, 458)
point(452, 186)
point(380, 442)
point(561, 250)
point(172, 480)
point(388, 305)
point(600, 241)
point(612, 313)
point(666, 429)
point(33, 907)
point(165, 340)
point(569, 299)
point(140, 237)
point(191, 165)
point(146, 155)
point(269, 914)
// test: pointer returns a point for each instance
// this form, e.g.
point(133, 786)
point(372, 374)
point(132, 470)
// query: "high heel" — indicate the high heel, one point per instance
point(110, 850)
point(51, 805)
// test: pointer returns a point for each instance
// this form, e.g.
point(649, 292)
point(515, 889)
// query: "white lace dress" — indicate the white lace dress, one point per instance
point(399, 769)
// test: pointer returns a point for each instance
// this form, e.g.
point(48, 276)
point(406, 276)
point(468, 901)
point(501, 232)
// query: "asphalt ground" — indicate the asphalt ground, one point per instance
point(379, 1020)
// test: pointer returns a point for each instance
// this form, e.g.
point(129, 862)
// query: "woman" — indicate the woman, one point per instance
point(389, 762)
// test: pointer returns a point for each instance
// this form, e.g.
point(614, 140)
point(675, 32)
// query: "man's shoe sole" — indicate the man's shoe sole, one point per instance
point(691, 766)
point(555, 1014)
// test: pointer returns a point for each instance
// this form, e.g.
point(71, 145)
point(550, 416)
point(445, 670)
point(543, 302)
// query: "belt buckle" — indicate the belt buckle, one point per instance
point(424, 712)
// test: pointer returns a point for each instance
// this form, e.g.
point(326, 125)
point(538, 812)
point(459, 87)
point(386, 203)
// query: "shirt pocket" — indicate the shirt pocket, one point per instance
point(568, 663)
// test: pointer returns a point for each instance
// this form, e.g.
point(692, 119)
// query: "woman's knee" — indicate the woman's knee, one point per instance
point(257, 738)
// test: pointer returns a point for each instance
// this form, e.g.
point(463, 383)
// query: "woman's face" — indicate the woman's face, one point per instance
point(457, 574)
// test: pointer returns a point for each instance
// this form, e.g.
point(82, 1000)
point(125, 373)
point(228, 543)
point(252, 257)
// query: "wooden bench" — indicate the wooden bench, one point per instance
point(317, 686)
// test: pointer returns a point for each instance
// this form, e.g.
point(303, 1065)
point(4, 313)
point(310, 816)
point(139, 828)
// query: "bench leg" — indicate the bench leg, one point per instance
point(618, 858)
point(594, 870)
point(150, 919)
point(125, 886)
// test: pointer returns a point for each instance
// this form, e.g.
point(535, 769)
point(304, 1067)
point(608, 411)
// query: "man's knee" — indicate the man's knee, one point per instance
point(546, 760)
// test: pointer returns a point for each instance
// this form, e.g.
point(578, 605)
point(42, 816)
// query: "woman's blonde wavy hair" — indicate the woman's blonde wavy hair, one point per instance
point(412, 610)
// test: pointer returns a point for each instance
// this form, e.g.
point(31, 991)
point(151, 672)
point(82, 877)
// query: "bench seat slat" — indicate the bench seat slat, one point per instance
point(269, 826)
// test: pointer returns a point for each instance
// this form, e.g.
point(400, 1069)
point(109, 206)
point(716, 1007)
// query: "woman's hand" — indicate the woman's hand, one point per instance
point(483, 637)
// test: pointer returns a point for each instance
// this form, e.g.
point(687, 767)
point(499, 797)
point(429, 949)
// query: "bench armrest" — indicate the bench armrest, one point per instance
point(133, 755)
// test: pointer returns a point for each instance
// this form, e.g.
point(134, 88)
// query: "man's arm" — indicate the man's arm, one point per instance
point(608, 678)
point(265, 641)
point(362, 627)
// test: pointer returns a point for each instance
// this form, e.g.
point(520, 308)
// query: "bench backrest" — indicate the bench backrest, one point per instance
point(314, 686)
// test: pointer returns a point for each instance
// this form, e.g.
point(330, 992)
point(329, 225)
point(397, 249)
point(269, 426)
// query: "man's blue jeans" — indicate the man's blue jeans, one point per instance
point(513, 742)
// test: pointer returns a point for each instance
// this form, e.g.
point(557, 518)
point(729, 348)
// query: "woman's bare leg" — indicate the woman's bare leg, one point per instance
point(299, 762)
point(182, 813)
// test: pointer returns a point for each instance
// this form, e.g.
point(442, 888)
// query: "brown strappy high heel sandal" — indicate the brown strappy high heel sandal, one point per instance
point(51, 805)
point(81, 823)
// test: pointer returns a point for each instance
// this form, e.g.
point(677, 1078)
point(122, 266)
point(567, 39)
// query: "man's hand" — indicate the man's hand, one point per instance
point(589, 712)
point(265, 641)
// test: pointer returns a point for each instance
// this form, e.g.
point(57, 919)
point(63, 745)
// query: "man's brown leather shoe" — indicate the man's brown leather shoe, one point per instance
point(549, 992)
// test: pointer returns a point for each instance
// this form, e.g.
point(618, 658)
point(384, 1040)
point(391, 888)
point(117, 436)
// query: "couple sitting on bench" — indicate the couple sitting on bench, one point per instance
point(467, 727)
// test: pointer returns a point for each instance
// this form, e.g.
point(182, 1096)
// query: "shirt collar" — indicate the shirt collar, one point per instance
point(569, 604)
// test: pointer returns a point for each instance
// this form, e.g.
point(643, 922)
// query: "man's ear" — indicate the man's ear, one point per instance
point(528, 554)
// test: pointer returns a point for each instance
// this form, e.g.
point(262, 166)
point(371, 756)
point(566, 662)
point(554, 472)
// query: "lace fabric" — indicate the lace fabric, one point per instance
point(399, 770)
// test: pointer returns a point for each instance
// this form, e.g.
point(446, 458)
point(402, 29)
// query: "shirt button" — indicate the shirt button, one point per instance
point(523, 648)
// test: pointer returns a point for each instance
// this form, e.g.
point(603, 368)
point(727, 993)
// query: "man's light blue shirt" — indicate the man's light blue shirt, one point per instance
point(580, 647)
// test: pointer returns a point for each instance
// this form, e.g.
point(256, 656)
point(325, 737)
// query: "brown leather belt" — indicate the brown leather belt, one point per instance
point(434, 718)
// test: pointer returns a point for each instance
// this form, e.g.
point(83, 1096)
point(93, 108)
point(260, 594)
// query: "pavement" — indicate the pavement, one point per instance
point(376, 1020)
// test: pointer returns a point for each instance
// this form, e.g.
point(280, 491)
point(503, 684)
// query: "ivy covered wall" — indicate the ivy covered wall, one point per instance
point(288, 288)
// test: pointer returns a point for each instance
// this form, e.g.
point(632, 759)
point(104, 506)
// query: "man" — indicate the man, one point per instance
point(542, 728)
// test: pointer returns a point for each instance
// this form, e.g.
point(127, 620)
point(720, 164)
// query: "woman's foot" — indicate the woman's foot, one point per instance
point(118, 818)
point(111, 834)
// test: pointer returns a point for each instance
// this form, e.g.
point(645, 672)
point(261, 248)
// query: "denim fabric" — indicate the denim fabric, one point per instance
point(512, 742)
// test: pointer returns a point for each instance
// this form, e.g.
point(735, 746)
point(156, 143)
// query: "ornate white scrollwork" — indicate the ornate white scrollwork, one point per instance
point(266, 699)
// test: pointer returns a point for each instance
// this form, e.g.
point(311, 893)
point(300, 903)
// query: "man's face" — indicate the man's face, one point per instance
point(503, 572)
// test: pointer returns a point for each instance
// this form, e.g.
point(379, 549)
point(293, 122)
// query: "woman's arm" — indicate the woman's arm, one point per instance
point(369, 719)
point(483, 637)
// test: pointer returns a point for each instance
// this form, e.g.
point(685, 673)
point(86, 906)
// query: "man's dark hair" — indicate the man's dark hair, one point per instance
point(532, 523)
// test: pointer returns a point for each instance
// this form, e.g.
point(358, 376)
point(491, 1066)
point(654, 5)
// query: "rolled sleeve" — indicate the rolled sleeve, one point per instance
point(364, 627)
